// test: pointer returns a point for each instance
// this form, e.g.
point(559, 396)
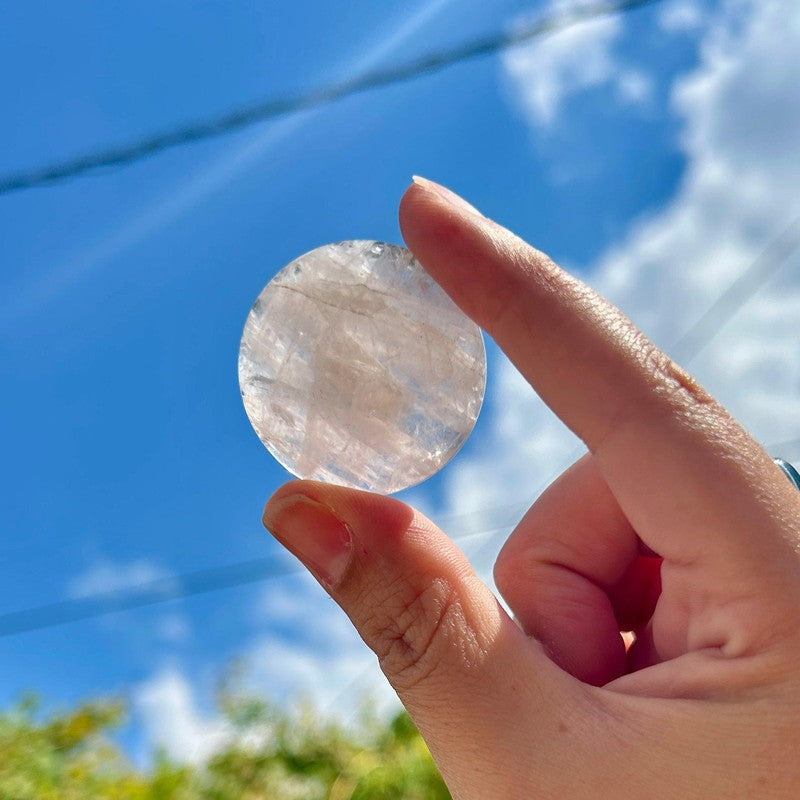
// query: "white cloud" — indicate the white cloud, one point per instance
point(738, 113)
point(740, 129)
point(680, 15)
point(107, 577)
point(313, 653)
point(545, 72)
point(330, 680)
point(167, 709)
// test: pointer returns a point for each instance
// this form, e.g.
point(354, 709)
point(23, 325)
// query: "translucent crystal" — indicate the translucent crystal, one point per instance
point(356, 368)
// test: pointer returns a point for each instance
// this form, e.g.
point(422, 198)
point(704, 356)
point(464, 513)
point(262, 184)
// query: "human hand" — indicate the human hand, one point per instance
point(676, 525)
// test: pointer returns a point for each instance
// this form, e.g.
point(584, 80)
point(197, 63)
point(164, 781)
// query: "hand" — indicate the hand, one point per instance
point(676, 525)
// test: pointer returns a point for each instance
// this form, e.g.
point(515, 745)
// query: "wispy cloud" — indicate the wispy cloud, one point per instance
point(312, 652)
point(545, 73)
point(106, 577)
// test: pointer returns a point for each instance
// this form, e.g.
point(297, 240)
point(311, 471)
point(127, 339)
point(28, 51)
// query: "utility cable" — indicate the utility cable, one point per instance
point(201, 581)
point(244, 116)
point(144, 594)
point(738, 293)
point(243, 572)
point(251, 571)
point(181, 586)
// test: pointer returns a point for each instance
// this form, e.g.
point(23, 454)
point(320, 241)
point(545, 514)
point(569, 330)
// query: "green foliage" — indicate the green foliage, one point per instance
point(269, 754)
point(64, 756)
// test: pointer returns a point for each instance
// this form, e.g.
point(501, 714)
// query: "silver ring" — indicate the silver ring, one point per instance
point(789, 471)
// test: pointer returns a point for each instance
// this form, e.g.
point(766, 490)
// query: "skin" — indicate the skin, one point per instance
point(675, 525)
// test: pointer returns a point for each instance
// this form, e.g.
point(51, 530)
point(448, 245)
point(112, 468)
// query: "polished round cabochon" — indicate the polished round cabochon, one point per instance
point(356, 368)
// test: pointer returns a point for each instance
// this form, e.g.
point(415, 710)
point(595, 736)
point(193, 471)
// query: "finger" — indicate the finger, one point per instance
point(571, 573)
point(458, 662)
point(692, 483)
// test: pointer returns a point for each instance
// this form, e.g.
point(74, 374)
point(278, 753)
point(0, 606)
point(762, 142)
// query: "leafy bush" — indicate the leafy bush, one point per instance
point(269, 755)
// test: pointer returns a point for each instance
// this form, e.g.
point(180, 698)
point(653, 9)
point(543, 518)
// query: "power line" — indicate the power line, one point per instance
point(688, 346)
point(188, 584)
point(144, 594)
point(738, 293)
point(176, 587)
point(243, 572)
point(280, 106)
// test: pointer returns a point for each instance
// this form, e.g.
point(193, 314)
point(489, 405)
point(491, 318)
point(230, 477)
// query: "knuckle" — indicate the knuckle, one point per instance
point(526, 574)
point(667, 391)
point(412, 630)
point(672, 382)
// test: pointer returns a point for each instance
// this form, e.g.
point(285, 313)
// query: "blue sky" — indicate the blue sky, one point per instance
point(625, 148)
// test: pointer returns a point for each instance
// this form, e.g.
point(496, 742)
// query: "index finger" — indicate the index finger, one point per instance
point(690, 480)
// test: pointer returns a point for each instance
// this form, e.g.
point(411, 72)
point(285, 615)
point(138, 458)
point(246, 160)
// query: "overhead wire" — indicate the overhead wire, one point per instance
point(254, 570)
point(244, 572)
point(147, 593)
point(697, 337)
point(738, 293)
point(173, 587)
point(271, 108)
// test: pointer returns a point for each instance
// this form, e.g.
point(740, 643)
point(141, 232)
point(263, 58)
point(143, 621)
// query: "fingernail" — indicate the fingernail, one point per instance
point(445, 193)
point(313, 533)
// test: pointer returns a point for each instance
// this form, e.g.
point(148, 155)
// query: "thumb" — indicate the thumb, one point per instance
point(461, 666)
